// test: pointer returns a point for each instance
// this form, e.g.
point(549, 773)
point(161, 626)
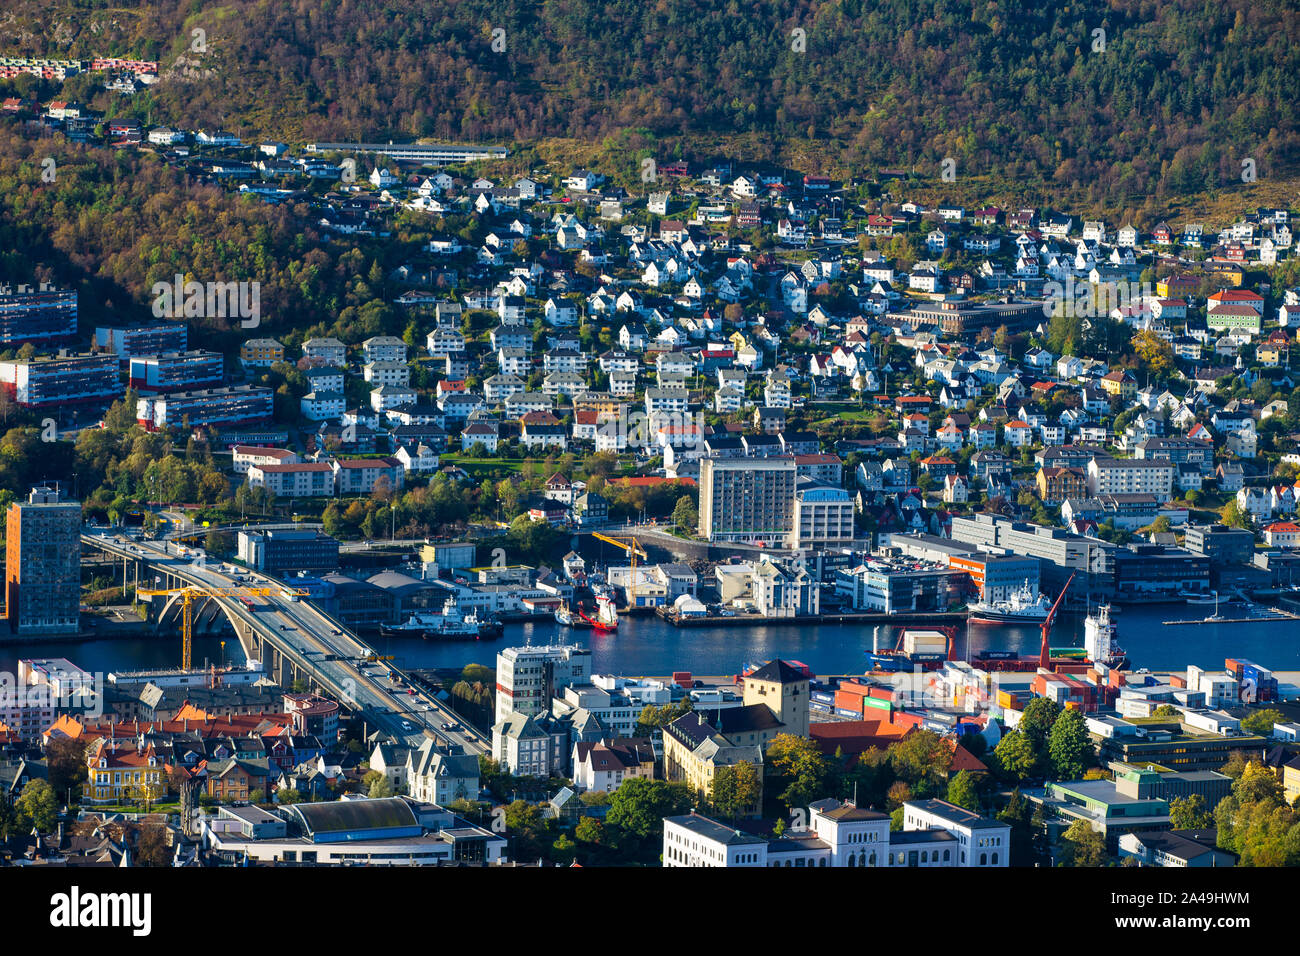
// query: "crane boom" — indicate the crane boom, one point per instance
point(1044, 653)
point(189, 593)
point(634, 550)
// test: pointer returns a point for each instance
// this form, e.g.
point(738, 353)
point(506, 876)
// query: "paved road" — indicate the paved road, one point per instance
point(313, 640)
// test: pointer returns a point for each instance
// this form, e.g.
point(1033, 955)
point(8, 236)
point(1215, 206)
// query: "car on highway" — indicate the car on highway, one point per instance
point(407, 725)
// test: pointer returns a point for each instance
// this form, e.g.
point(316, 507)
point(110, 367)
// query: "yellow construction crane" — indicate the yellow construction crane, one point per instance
point(189, 593)
point(634, 550)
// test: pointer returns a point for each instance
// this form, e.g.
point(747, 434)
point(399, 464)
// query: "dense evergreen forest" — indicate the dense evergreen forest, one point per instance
point(1020, 91)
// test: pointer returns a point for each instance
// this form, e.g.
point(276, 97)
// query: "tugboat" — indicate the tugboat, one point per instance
point(451, 625)
point(605, 618)
point(564, 616)
point(1100, 640)
point(1022, 607)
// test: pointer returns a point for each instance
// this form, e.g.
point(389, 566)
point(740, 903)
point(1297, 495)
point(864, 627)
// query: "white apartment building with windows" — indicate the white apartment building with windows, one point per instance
point(528, 677)
point(1132, 476)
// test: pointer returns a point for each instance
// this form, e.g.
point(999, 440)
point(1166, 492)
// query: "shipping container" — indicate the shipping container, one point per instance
point(683, 679)
point(846, 712)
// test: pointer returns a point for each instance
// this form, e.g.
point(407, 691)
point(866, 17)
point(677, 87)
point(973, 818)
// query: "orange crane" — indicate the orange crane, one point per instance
point(190, 593)
point(1044, 652)
point(634, 550)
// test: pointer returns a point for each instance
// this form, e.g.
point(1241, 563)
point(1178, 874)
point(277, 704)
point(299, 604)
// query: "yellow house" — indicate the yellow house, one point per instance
point(1119, 382)
point(1271, 355)
point(1291, 779)
point(1177, 286)
point(261, 352)
point(694, 750)
point(606, 407)
point(120, 771)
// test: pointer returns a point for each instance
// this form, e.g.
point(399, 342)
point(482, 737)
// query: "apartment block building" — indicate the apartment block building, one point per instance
point(358, 476)
point(43, 564)
point(747, 500)
point(42, 316)
point(61, 381)
point(1130, 476)
point(325, 351)
point(261, 353)
point(823, 515)
point(143, 338)
point(176, 371)
point(235, 405)
point(1180, 451)
point(528, 677)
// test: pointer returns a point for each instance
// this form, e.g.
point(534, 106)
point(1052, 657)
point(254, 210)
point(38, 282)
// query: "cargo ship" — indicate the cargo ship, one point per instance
point(927, 648)
point(1100, 641)
point(918, 648)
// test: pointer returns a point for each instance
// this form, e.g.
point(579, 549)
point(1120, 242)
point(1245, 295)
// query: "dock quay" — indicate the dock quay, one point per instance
point(915, 618)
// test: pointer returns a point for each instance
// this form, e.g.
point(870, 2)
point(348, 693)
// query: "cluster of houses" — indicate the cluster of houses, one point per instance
point(716, 324)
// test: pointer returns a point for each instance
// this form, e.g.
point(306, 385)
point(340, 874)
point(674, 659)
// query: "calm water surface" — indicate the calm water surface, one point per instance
point(649, 646)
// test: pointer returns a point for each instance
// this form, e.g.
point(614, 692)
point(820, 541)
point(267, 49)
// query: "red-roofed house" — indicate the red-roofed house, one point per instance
point(1283, 534)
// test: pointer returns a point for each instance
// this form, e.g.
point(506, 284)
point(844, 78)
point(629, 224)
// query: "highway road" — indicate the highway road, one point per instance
point(313, 640)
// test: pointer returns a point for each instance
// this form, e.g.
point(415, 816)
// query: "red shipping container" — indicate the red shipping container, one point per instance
point(848, 701)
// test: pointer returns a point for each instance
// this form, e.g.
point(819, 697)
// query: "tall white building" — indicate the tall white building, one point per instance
point(528, 677)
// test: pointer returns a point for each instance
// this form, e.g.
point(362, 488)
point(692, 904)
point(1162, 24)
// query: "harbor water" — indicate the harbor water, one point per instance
point(647, 645)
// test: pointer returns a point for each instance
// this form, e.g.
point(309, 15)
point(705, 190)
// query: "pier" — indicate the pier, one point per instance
point(916, 618)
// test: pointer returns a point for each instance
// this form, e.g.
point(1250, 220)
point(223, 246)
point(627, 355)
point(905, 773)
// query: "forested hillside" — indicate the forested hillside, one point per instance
point(1015, 90)
point(116, 223)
